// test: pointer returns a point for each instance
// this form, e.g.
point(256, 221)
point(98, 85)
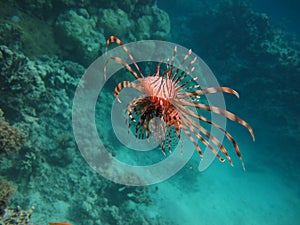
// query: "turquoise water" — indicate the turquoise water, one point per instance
point(252, 47)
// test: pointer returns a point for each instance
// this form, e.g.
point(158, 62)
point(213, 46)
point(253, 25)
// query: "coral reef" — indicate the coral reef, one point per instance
point(16, 216)
point(76, 34)
point(11, 138)
point(11, 216)
point(48, 81)
point(6, 191)
point(287, 56)
point(156, 25)
point(36, 95)
point(153, 23)
point(49, 157)
point(112, 20)
point(81, 30)
point(18, 76)
point(25, 82)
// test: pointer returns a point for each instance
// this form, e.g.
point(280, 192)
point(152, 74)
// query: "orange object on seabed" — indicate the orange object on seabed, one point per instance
point(60, 223)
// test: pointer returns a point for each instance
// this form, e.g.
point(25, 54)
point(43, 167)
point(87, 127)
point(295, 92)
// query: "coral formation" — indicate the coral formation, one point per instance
point(49, 157)
point(80, 32)
point(286, 55)
point(11, 216)
point(79, 27)
point(76, 34)
point(16, 216)
point(153, 23)
point(6, 191)
point(112, 20)
point(26, 82)
point(11, 138)
point(18, 76)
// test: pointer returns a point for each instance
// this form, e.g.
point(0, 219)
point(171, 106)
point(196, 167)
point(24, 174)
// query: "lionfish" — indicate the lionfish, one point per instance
point(168, 96)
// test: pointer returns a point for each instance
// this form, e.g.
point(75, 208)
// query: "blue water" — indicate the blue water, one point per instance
point(253, 48)
point(268, 192)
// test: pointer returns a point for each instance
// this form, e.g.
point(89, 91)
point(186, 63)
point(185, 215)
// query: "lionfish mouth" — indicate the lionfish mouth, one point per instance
point(164, 107)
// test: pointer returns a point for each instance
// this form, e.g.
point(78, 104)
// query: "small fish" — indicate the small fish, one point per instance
point(59, 223)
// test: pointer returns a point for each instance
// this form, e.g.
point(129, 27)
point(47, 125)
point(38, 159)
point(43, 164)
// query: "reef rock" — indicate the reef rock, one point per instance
point(155, 25)
point(115, 20)
point(75, 32)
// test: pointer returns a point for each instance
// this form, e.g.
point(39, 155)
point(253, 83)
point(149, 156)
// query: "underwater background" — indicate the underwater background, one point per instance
point(45, 48)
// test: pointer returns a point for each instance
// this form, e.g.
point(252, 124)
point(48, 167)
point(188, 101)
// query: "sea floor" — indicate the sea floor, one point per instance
point(266, 193)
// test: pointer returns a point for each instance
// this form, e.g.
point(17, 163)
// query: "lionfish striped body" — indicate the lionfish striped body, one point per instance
point(165, 101)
